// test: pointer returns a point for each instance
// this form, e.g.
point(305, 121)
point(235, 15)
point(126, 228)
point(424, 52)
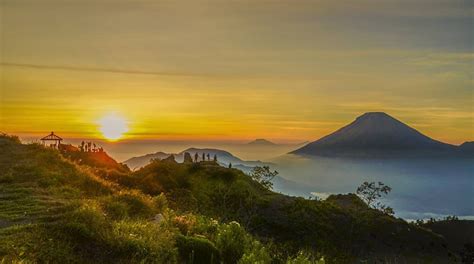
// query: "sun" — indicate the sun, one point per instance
point(113, 126)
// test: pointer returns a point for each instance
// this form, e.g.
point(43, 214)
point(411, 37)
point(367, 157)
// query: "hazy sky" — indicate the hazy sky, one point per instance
point(287, 70)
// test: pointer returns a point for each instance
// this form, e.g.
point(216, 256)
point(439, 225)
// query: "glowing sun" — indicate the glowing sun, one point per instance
point(113, 126)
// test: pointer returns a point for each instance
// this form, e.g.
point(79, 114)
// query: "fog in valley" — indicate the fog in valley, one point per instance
point(422, 188)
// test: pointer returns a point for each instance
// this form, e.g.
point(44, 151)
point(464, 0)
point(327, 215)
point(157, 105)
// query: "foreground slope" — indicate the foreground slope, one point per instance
point(57, 210)
point(53, 210)
point(377, 134)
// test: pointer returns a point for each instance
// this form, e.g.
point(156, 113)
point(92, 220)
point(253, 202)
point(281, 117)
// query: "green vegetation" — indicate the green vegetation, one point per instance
point(264, 176)
point(59, 207)
point(371, 193)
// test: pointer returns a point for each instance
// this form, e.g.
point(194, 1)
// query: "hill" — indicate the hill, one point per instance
point(223, 158)
point(138, 162)
point(55, 209)
point(459, 236)
point(377, 134)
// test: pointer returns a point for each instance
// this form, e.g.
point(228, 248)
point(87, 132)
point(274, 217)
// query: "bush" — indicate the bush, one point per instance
point(185, 223)
point(197, 250)
point(182, 200)
point(160, 202)
point(231, 242)
point(256, 253)
point(143, 242)
point(116, 209)
point(130, 204)
point(305, 258)
point(86, 224)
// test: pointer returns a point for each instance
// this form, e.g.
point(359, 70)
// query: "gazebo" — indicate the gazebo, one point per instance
point(52, 141)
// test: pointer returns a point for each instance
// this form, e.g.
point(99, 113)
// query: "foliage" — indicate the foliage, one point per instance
point(237, 246)
point(264, 176)
point(371, 193)
point(231, 241)
point(197, 250)
point(256, 253)
point(303, 257)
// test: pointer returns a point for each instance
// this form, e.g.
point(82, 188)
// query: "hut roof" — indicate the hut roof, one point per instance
point(52, 136)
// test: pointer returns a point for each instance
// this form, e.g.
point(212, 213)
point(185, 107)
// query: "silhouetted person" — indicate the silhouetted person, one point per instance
point(203, 156)
point(230, 165)
point(196, 156)
point(215, 158)
point(208, 157)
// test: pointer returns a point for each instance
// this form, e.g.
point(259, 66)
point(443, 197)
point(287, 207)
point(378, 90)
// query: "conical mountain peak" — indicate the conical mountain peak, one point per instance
point(374, 116)
point(373, 134)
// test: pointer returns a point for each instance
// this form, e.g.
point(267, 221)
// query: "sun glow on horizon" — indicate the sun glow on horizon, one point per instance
point(113, 126)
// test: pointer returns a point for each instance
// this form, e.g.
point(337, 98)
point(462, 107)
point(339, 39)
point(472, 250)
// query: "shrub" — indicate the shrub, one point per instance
point(86, 224)
point(129, 204)
point(205, 226)
point(255, 253)
point(305, 258)
point(197, 250)
point(138, 205)
point(231, 242)
point(116, 209)
point(143, 242)
point(160, 202)
point(185, 223)
point(182, 200)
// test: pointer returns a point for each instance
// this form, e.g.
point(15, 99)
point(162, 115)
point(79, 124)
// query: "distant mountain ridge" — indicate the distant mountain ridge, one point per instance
point(223, 158)
point(377, 134)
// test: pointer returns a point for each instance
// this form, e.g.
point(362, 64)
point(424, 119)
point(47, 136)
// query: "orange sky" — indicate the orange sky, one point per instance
point(215, 70)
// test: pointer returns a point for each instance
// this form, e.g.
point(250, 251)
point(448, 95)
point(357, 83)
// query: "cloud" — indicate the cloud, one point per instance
point(321, 195)
point(92, 69)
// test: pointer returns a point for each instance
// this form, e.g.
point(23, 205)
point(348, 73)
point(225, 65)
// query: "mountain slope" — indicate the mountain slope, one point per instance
point(375, 134)
point(467, 147)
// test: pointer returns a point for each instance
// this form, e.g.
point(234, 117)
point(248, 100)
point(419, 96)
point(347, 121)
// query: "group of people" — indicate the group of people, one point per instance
point(204, 155)
point(90, 147)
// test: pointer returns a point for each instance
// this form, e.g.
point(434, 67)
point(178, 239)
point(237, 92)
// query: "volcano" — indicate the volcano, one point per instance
point(376, 134)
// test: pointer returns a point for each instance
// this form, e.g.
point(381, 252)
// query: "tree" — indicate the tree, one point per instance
point(371, 193)
point(264, 176)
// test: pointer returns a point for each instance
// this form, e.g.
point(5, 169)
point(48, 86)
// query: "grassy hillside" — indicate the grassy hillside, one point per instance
point(67, 208)
point(342, 228)
point(53, 210)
